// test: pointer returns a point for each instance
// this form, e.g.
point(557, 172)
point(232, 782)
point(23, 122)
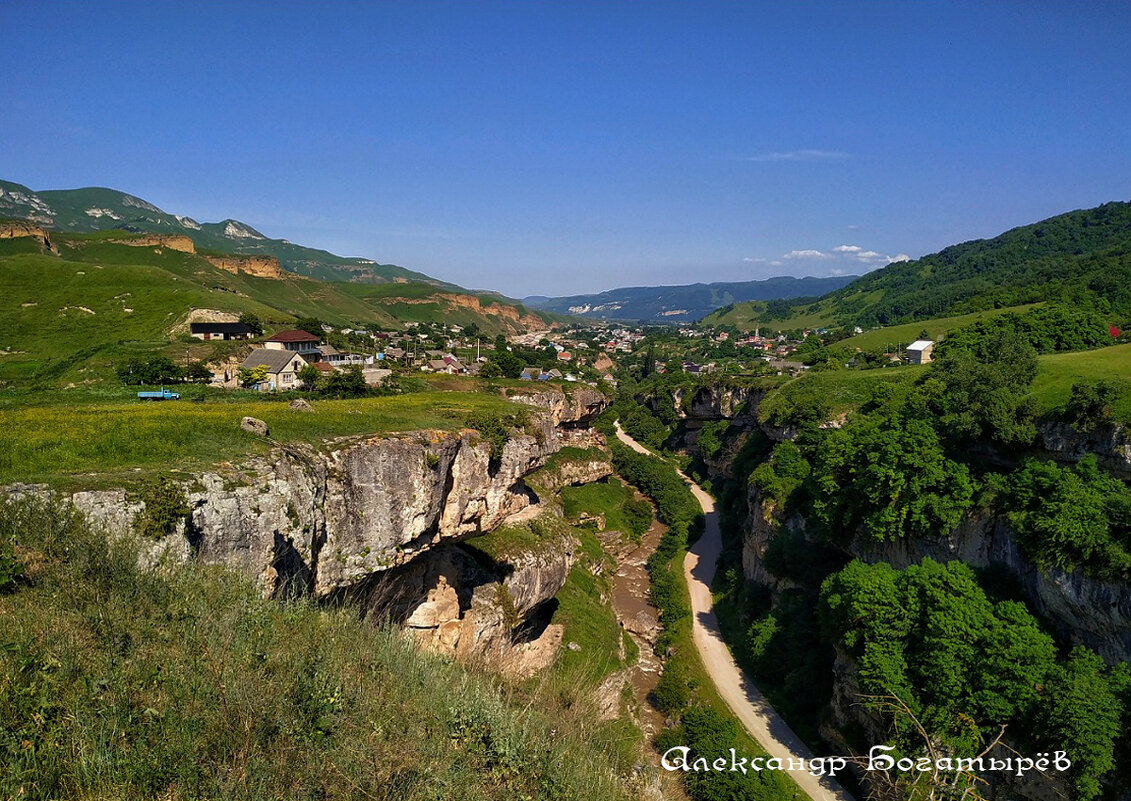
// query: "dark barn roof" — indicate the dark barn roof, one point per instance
point(219, 328)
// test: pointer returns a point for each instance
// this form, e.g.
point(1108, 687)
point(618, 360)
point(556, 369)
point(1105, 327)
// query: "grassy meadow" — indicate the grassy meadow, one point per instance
point(1059, 371)
point(63, 442)
point(898, 336)
point(844, 390)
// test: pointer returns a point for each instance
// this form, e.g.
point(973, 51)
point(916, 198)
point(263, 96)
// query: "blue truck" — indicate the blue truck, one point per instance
point(164, 394)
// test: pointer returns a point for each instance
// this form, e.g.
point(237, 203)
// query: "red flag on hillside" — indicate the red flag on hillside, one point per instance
point(1114, 331)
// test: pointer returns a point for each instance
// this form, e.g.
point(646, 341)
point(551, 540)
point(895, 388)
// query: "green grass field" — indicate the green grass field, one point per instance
point(748, 315)
point(839, 390)
point(96, 442)
point(1059, 371)
point(898, 336)
point(844, 390)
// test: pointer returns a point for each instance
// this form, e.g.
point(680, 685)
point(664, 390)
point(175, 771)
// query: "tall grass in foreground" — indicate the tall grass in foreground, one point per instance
point(183, 683)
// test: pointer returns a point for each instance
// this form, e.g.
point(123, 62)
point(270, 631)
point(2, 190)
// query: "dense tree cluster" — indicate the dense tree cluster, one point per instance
point(965, 665)
point(160, 370)
point(1048, 329)
point(1079, 257)
point(1069, 517)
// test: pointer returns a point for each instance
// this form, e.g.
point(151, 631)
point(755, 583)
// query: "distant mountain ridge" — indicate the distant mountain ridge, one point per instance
point(684, 303)
point(100, 209)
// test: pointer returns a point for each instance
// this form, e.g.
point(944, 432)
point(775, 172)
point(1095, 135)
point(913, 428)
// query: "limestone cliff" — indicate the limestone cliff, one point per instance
point(380, 519)
point(575, 407)
point(258, 266)
point(15, 229)
point(170, 241)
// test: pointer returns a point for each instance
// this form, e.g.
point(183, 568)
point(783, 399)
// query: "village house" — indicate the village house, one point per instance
point(293, 340)
point(225, 331)
point(282, 368)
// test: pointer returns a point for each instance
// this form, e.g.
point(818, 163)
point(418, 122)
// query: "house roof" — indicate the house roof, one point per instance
point(329, 350)
point(324, 367)
point(219, 328)
point(275, 360)
point(920, 344)
point(293, 335)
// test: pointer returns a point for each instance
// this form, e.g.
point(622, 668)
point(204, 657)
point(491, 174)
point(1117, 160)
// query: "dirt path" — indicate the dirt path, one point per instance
point(744, 699)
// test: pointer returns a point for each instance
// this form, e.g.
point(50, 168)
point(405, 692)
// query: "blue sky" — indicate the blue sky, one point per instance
point(555, 148)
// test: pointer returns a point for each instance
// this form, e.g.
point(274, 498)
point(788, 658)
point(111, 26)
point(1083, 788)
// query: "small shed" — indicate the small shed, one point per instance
point(919, 351)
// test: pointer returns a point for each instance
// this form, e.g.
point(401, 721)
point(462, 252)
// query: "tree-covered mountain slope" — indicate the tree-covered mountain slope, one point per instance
point(1082, 257)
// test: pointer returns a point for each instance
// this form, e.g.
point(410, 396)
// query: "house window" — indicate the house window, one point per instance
point(288, 377)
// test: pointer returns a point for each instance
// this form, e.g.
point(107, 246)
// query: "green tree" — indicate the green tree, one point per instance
point(886, 475)
point(982, 392)
point(1082, 715)
point(348, 382)
point(198, 373)
point(253, 376)
point(312, 325)
point(251, 320)
point(509, 364)
point(310, 376)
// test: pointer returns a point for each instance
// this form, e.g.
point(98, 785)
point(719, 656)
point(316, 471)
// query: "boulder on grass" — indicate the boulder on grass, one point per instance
point(255, 426)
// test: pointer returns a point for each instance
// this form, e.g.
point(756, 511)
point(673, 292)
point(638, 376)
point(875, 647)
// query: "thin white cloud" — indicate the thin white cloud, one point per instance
point(869, 255)
point(848, 249)
point(806, 254)
point(776, 263)
point(798, 155)
point(899, 257)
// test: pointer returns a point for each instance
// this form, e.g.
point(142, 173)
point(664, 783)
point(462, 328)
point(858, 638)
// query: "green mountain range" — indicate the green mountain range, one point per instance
point(99, 209)
point(1082, 257)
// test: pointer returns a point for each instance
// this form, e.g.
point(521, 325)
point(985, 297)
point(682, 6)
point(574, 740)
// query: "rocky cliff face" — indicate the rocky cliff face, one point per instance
point(258, 266)
point(305, 521)
point(575, 408)
point(170, 241)
point(1111, 444)
point(16, 230)
point(380, 519)
point(721, 403)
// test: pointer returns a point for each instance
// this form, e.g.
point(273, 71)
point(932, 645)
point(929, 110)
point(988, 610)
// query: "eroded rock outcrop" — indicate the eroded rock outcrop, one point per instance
point(307, 521)
point(1110, 443)
point(577, 406)
point(15, 229)
point(170, 241)
point(258, 266)
point(454, 601)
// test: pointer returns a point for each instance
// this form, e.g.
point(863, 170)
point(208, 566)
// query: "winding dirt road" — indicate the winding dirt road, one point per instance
point(744, 699)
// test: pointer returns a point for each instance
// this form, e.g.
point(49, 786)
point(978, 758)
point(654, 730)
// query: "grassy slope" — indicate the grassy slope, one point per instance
point(61, 442)
point(50, 339)
point(847, 389)
point(749, 315)
point(1059, 371)
point(183, 683)
point(895, 336)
